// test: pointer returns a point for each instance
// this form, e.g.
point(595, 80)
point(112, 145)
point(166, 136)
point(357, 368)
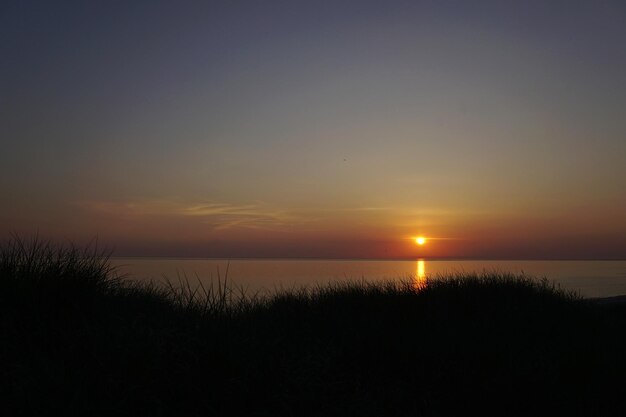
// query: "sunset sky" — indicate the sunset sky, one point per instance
point(496, 129)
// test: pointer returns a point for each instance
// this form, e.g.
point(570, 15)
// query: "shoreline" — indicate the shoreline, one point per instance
point(613, 300)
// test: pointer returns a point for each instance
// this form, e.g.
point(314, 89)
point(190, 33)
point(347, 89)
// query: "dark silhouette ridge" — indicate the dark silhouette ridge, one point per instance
point(76, 340)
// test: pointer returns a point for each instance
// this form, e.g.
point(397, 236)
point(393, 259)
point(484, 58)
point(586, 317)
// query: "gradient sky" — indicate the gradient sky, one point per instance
point(316, 128)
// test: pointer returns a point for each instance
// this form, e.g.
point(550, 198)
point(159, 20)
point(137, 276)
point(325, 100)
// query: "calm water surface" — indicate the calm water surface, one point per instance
point(589, 278)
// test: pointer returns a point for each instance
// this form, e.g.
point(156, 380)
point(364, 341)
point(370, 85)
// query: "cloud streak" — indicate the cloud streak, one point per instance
point(220, 216)
point(225, 216)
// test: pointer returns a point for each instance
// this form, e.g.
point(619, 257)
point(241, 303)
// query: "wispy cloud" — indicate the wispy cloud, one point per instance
point(224, 216)
point(356, 209)
point(258, 215)
point(218, 215)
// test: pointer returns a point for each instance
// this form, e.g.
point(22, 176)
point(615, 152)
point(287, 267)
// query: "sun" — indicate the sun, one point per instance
point(420, 240)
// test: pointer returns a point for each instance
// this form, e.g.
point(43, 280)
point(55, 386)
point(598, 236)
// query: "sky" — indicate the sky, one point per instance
point(496, 129)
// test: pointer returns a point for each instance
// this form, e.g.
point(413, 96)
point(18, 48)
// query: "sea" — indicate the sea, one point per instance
point(588, 278)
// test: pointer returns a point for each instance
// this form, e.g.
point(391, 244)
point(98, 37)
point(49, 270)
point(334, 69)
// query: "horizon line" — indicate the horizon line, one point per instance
point(315, 258)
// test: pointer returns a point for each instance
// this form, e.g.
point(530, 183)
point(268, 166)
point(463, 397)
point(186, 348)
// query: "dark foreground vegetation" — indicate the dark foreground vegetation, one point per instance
point(76, 341)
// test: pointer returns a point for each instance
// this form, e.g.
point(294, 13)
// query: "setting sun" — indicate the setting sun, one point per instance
point(420, 240)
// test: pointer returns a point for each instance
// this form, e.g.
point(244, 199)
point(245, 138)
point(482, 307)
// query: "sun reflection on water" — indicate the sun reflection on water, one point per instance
point(420, 274)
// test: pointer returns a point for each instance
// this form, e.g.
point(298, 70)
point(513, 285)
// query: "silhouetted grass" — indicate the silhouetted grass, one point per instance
point(78, 340)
